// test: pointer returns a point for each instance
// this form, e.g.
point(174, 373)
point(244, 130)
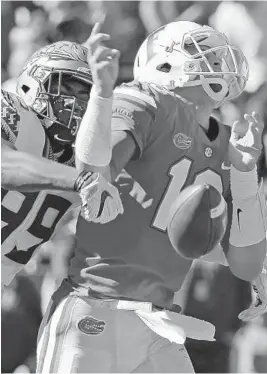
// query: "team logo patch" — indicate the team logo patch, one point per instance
point(182, 141)
point(208, 152)
point(91, 326)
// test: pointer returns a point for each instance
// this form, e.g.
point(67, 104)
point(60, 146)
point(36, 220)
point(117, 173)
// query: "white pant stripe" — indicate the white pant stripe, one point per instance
point(51, 338)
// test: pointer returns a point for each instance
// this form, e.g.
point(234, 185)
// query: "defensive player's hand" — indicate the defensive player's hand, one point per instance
point(103, 61)
point(101, 202)
point(246, 142)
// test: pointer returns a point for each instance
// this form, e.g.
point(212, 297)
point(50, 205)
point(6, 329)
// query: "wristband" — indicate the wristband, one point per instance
point(249, 209)
point(243, 184)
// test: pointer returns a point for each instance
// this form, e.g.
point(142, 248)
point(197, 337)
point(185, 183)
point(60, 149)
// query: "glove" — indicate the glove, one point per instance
point(101, 202)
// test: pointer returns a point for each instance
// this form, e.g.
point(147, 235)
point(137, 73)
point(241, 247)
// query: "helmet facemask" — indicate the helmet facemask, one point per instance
point(221, 69)
point(61, 112)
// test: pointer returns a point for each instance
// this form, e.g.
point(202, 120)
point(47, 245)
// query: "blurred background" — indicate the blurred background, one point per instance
point(210, 292)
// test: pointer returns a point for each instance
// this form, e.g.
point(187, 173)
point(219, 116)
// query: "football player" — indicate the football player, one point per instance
point(115, 311)
point(39, 180)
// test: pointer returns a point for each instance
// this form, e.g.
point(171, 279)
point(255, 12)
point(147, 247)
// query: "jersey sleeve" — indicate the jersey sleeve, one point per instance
point(9, 269)
point(134, 110)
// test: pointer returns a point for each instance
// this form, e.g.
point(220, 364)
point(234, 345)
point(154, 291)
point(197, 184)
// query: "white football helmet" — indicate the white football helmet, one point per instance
point(186, 54)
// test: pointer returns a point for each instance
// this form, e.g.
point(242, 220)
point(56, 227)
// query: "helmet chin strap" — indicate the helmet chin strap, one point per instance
point(216, 96)
point(206, 83)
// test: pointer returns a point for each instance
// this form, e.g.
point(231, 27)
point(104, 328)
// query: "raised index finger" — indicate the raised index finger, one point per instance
point(96, 28)
point(95, 31)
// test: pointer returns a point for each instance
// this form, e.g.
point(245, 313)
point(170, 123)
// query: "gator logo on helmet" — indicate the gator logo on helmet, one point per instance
point(91, 326)
point(161, 39)
point(153, 45)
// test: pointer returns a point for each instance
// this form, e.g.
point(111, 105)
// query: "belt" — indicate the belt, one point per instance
point(174, 308)
point(168, 323)
point(144, 306)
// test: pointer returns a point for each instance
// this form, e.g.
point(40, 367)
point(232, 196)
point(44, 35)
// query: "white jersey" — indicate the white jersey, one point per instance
point(29, 219)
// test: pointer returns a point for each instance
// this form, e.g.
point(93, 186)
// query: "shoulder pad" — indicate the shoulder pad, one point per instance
point(139, 92)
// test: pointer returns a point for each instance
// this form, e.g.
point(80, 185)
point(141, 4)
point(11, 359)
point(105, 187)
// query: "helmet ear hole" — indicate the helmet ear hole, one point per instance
point(25, 88)
point(164, 68)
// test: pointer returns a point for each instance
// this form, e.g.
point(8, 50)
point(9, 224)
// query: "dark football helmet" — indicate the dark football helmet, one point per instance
point(55, 83)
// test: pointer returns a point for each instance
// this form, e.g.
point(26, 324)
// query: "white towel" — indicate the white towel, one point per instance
point(176, 327)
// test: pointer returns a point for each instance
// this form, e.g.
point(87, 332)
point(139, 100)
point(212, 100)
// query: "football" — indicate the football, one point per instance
point(197, 221)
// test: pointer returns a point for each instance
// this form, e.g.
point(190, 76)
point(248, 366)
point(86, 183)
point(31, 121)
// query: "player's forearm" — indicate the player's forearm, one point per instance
point(24, 172)
point(248, 231)
point(123, 150)
point(118, 144)
point(93, 142)
point(247, 262)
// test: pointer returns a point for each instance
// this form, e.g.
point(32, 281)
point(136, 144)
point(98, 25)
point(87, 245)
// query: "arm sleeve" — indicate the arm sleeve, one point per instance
point(134, 110)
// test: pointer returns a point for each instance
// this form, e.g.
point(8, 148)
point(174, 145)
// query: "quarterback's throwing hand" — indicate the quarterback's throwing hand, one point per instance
point(103, 61)
point(101, 202)
point(246, 142)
